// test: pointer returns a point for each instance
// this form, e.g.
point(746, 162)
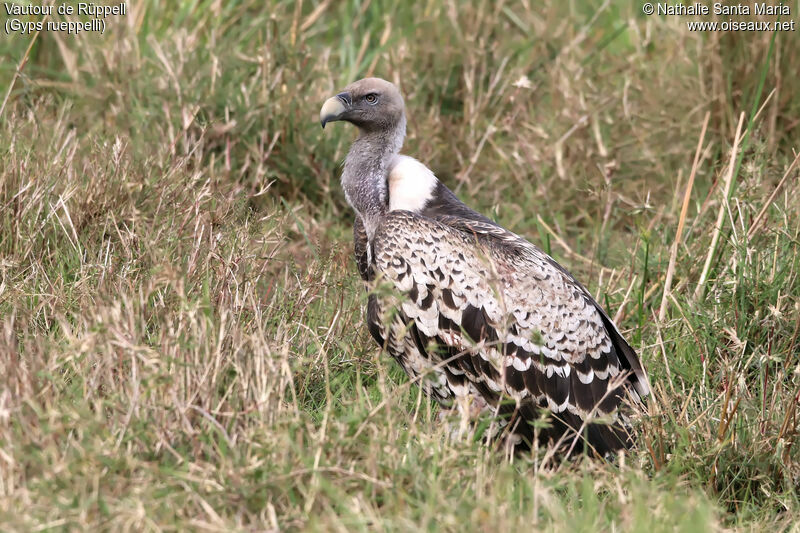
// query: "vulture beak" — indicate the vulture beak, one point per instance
point(333, 108)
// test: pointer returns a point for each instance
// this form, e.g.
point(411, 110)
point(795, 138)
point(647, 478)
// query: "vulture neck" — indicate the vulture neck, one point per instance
point(365, 172)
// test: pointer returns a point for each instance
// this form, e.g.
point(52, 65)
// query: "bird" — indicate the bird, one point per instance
point(489, 325)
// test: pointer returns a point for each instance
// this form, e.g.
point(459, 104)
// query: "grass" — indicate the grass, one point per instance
point(180, 318)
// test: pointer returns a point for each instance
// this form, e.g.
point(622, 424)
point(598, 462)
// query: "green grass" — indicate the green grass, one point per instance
point(181, 332)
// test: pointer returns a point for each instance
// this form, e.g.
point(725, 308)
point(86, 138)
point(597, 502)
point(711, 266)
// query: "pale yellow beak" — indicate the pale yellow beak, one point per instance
point(332, 109)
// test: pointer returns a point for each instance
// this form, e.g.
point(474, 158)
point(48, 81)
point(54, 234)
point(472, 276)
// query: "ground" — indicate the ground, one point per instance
point(181, 320)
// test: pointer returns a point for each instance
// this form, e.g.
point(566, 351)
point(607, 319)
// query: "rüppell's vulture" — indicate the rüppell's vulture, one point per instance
point(487, 323)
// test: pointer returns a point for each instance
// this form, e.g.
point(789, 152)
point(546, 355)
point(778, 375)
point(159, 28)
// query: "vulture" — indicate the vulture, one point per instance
point(489, 325)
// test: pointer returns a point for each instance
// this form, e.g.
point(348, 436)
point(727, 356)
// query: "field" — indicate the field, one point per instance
point(181, 329)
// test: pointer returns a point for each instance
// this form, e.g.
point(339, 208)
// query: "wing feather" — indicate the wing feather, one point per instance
point(506, 319)
point(482, 228)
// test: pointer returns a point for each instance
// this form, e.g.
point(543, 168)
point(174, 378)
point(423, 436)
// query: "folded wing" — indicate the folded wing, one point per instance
point(503, 320)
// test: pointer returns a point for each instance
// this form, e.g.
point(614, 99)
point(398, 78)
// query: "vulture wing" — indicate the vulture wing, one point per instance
point(495, 318)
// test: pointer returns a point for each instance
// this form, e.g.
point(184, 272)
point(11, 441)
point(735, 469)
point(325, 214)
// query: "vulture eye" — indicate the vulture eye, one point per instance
point(371, 98)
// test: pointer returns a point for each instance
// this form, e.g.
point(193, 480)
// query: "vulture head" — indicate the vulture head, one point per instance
point(372, 104)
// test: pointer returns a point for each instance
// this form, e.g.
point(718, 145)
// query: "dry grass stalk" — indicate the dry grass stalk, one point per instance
point(760, 216)
point(682, 220)
point(723, 206)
